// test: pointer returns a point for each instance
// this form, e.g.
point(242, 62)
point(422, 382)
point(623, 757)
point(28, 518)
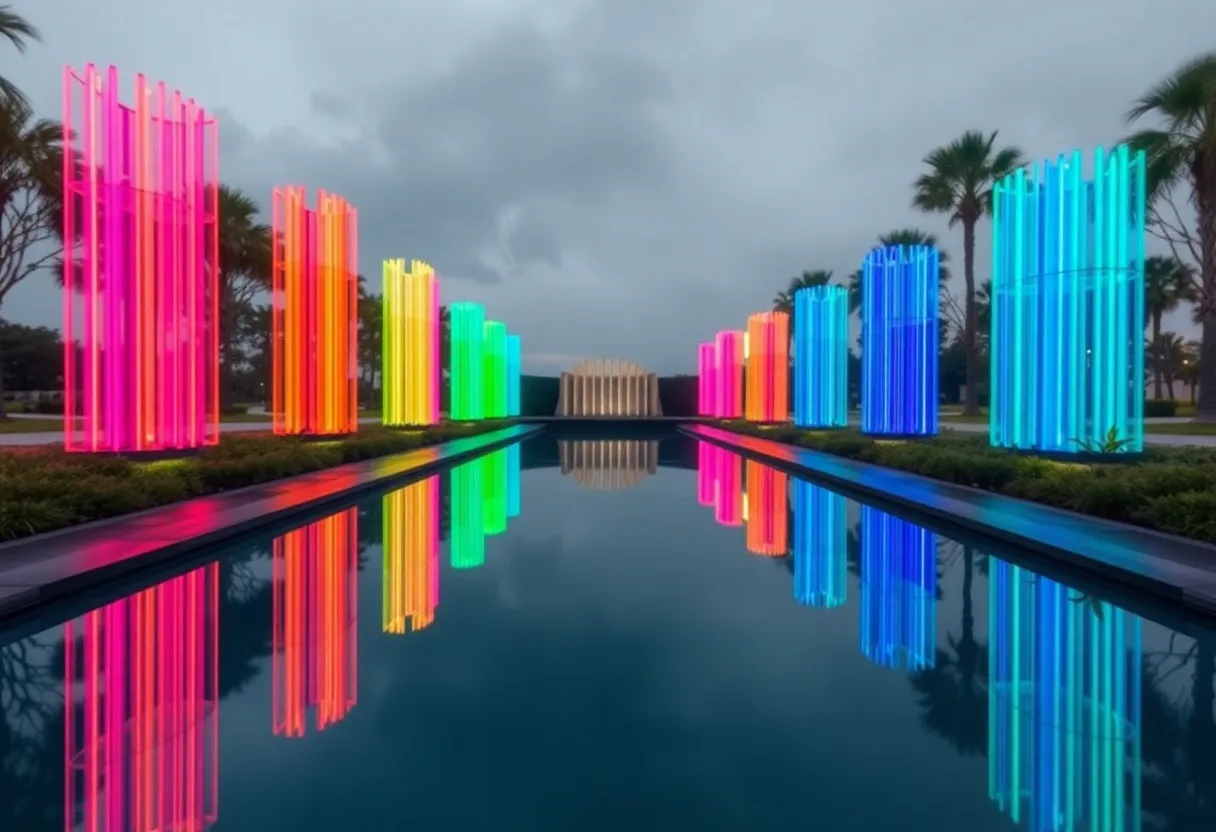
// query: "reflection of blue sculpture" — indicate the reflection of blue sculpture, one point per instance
point(513, 472)
point(898, 591)
point(820, 546)
point(1063, 706)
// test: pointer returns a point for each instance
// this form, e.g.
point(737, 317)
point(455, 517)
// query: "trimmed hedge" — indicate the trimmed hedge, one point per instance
point(1170, 489)
point(1160, 408)
point(45, 490)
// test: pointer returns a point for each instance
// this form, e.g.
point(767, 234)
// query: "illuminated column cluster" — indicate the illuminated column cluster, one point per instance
point(707, 379)
point(494, 369)
point(410, 372)
point(821, 538)
point(729, 353)
point(720, 483)
point(899, 341)
point(1064, 706)
point(821, 357)
point(411, 557)
point(898, 591)
point(514, 370)
point(144, 673)
point(765, 503)
point(1068, 305)
point(141, 304)
point(314, 636)
point(468, 323)
point(767, 357)
point(314, 357)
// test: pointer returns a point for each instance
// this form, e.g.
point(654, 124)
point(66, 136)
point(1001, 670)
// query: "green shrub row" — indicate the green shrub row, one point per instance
point(1169, 489)
point(1160, 408)
point(44, 490)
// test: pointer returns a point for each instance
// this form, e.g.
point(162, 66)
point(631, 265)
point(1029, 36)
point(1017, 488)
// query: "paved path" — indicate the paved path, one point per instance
point(27, 440)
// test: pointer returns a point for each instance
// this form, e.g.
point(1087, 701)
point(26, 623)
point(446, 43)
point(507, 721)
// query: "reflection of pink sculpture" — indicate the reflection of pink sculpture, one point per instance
point(315, 643)
point(141, 683)
point(141, 304)
point(720, 483)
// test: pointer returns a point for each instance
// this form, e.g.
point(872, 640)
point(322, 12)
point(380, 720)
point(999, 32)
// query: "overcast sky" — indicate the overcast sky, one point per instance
point(619, 178)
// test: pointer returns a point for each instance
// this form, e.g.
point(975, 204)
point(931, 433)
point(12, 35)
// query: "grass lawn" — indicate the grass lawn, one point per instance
point(47, 425)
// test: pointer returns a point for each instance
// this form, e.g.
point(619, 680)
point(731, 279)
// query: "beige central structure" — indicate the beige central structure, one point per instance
point(609, 464)
point(609, 387)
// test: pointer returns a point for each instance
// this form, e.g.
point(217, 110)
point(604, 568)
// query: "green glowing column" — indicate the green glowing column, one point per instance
point(468, 536)
point(494, 368)
point(468, 323)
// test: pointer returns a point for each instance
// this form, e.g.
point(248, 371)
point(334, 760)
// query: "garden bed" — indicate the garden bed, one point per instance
point(42, 490)
point(1170, 490)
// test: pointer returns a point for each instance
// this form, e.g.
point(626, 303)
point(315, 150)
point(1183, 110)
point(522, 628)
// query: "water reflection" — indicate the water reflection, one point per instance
point(608, 464)
point(898, 591)
point(1058, 711)
point(1064, 706)
point(821, 546)
point(316, 599)
point(141, 746)
point(484, 496)
point(410, 583)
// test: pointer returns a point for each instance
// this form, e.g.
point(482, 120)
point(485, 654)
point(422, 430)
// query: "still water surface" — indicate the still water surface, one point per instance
point(642, 636)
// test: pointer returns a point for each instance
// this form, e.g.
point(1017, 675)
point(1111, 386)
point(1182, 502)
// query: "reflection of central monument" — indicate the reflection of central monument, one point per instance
point(607, 387)
point(1063, 706)
point(316, 589)
point(609, 464)
point(141, 685)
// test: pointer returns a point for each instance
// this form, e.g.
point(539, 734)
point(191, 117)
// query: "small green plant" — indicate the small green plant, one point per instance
point(1109, 444)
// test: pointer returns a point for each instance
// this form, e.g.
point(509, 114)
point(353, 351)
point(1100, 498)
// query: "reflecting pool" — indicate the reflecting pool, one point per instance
point(607, 635)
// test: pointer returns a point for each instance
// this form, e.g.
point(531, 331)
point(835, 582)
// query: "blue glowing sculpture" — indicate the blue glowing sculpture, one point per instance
point(821, 357)
point(899, 341)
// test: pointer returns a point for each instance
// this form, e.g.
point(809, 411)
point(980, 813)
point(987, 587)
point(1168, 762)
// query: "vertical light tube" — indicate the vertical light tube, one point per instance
point(494, 369)
point(766, 500)
point(707, 377)
point(1068, 266)
point(141, 347)
point(410, 369)
point(514, 359)
point(821, 356)
point(411, 557)
point(467, 547)
point(467, 326)
point(900, 336)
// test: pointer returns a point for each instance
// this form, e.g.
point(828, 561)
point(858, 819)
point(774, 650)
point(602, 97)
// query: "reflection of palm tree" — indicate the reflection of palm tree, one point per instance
point(953, 693)
point(1179, 748)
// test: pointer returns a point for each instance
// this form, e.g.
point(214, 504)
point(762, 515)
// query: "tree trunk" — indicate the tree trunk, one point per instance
point(1202, 733)
point(1204, 178)
point(1169, 384)
point(3, 412)
point(1157, 356)
point(972, 405)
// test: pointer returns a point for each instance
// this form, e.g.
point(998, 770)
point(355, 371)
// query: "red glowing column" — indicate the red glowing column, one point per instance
point(767, 502)
point(314, 317)
point(314, 635)
point(141, 295)
point(141, 683)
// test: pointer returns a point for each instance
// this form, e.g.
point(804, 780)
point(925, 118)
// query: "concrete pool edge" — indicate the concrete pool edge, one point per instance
point(45, 568)
point(1172, 569)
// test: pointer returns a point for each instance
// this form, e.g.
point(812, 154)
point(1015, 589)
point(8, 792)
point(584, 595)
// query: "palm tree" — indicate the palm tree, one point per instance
point(31, 160)
point(784, 301)
point(18, 31)
point(959, 184)
point(1183, 149)
point(1190, 367)
point(371, 323)
point(245, 262)
point(1166, 358)
point(1167, 283)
